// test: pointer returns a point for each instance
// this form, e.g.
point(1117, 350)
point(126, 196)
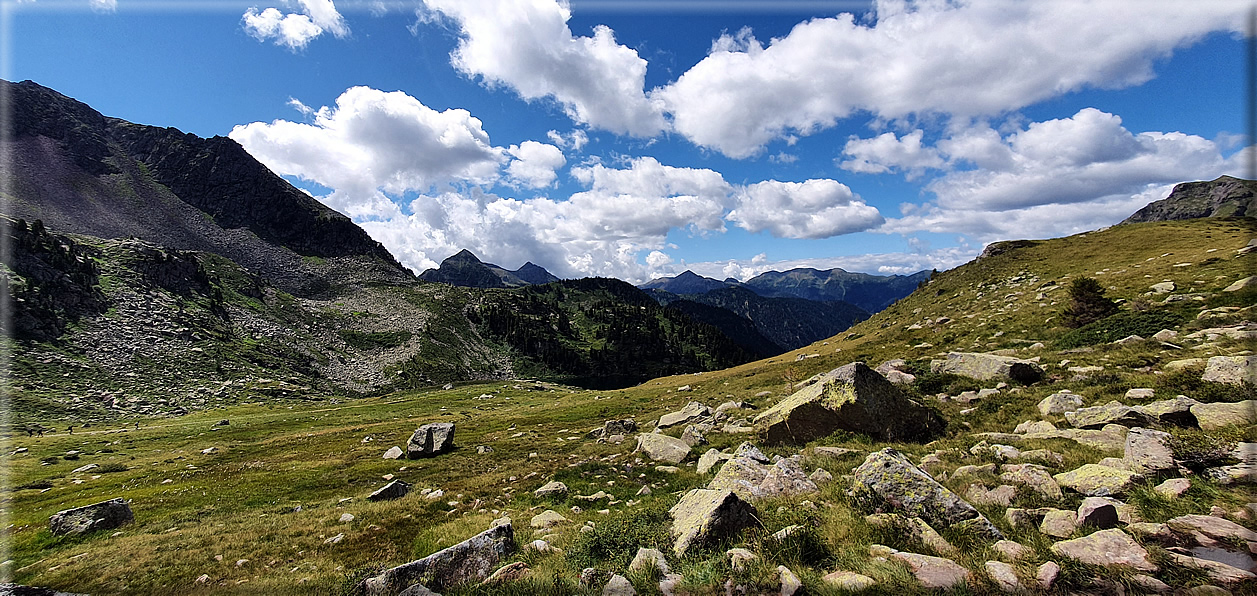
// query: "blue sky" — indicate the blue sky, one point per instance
point(640, 139)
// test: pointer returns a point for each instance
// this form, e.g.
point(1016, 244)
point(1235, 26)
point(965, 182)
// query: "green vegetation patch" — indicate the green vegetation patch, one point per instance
point(1121, 325)
point(370, 340)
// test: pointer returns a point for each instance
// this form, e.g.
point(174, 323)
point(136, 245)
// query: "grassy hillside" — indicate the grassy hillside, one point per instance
point(272, 487)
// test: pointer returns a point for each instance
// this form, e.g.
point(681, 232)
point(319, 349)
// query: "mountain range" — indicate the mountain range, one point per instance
point(466, 270)
point(868, 292)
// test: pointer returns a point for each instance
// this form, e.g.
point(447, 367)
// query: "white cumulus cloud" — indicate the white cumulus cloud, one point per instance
point(526, 45)
point(374, 142)
point(809, 209)
point(964, 59)
point(293, 30)
point(535, 164)
point(886, 153)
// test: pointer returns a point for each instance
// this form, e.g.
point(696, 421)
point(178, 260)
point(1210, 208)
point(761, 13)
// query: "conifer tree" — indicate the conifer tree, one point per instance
point(1087, 303)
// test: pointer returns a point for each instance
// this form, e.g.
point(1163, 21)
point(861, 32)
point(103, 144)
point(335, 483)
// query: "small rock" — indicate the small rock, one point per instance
point(554, 488)
point(1012, 550)
point(1098, 512)
point(1059, 403)
point(619, 585)
point(1004, 575)
point(790, 582)
point(394, 452)
point(647, 558)
point(849, 581)
point(346, 518)
point(739, 558)
point(547, 519)
point(934, 572)
point(1096, 480)
point(1059, 524)
point(1046, 574)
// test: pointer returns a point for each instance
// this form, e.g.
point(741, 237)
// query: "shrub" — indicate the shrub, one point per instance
point(1087, 303)
point(1188, 381)
point(1198, 449)
point(1120, 325)
point(613, 543)
point(111, 467)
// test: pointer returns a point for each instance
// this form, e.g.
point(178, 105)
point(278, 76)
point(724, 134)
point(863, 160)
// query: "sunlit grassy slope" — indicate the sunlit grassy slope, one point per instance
point(270, 488)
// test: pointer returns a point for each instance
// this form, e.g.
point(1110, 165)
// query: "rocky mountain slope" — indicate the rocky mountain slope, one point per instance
point(1225, 196)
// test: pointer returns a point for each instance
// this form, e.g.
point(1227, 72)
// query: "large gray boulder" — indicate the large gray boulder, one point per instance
point(691, 411)
point(705, 516)
point(752, 480)
point(888, 482)
point(1107, 548)
point(1177, 411)
point(852, 398)
point(1232, 370)
point(393, 490)
point(471, 560)
point(661, 447)
point(988, 367)
point(431, 439)
point(1214, 416)
point(1114, 412)
point(105, 515)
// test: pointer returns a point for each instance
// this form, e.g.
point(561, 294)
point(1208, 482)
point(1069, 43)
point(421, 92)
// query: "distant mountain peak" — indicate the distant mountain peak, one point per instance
point(687, 282)
point(465, 269)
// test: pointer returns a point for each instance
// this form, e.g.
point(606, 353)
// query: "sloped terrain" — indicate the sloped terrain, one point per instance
point(258, 505)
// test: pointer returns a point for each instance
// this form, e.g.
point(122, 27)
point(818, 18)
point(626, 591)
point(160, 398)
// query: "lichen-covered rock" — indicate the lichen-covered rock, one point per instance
point(1095, 480)
point(1177, 411)
point(710, 459)
point(660, 447)
point(935, 573)
point(1004, 575)
point(554, 488)
point(853, 398)
point(547, 519)
point(393, 490)
point(1059, 523)
point(1221, 415)
point(753, 480)
point(1232, 370)
point(1148, 451)
point(1110, 438)
point(988, 367)
point(1034, 476)
point(690, 412)
point(1106, 548)
point(649, 558)
point(105, 515)
point(430, 440)
point(849, 581)
point(1214, 527)
point(888, 481)
point(1114, 412)
point(1060, 403)
point(472, 559)
point(703, 516)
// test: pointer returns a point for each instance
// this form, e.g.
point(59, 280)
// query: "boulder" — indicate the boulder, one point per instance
point(648, 558)
point(1220, 415)
point(394, 452)
point(1111, 438)
point(988, 367)
point(710, 459)
point(752, 479)
point(1232, 370)
point(1247, 282)
point(1173, 488)
point(849, 581)
point(1214, 527)
point(546, 519)
point(888, 481)
point(610, 428)
point(619, 585)
point(704, 516)
point(105, 515)
point(852, 398)
point(1177, 411)
point(790, 583)
point(1217, 571)
point(1033, 476)
point(471, 560)
point(690, 412)
point(1060, 403)
point(1004, 575)
point(1106, 548)
point(1114, 412)
point(1059, 523)
point(554, 488)
point(660, 447)
point(1095, 480)
point(1098, 512)
point(1012, 550)
point(935, 573)
point(430, 439)
point(393, 490)
point(1148, 451)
